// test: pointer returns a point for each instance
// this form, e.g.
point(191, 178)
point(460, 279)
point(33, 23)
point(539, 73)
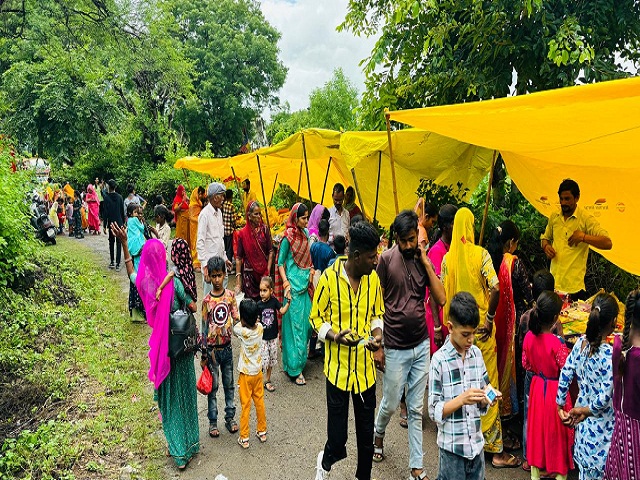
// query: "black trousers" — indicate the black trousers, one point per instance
point(228, 246)
point(364, 406)
point(118, 245)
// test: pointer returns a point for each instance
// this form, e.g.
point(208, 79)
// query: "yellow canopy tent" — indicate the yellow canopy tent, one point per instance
point(416, 153)
point(589, 133)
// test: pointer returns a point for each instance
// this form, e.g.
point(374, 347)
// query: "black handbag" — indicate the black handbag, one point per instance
point(183, 335)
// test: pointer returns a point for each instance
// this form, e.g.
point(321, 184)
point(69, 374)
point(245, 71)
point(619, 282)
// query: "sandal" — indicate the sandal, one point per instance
point(404, 423)
point(378, 453)
point(214, 432)
point(513, 462)
point(422, 476)
point(526, 467)
point(243, 442)
point(514, 442)
point(269, 387)
point(231, 425)
point(300, 381)
point(262, 436)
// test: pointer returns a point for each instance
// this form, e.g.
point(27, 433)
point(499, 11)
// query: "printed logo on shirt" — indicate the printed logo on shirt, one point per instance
point(268, 317)
point(220, 314)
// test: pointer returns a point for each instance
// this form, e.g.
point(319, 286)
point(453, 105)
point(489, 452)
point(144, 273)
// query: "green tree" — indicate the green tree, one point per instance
point(237, 70)
point(435, 53)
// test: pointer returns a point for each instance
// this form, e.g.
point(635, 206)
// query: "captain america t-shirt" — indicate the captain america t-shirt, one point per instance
point(220, 313)
point(269, 317)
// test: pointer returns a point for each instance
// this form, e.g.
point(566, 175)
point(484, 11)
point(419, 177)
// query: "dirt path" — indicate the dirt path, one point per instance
point(296, 418)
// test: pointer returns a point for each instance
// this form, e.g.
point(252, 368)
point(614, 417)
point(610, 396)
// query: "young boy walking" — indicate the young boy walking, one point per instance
point(458, 388)
point(249, 331)
point(219, 312)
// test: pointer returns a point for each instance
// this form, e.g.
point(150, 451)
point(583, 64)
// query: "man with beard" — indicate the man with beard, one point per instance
point(405, 274)
point(247, 195)
point(566, 241)
point(339, 219)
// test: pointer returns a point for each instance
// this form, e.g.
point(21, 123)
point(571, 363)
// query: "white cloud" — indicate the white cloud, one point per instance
point(311, 48)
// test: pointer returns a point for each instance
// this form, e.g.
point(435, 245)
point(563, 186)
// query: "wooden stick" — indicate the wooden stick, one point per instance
point(326, 177)
point(299, 181)
point(275, 182)
point(486, 205)
point(186, 179)
point(306, 165)
point(375, 208)
point(393, 166)
point(264, 199)
point(355, 182)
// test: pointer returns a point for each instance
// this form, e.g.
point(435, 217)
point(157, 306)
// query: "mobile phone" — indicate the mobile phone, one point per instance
point(490, 393)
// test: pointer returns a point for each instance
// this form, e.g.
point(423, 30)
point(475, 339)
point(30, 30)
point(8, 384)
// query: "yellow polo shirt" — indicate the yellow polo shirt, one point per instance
point(248, 197)
point(569, 266)
point(337, 307)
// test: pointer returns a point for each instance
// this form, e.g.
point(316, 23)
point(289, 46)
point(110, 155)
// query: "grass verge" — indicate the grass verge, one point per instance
point(75, 401)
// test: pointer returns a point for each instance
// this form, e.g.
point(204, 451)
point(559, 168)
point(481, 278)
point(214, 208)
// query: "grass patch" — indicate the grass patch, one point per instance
point(75, 401)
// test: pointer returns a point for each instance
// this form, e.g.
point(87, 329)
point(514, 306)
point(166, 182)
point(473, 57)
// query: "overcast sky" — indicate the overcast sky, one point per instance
point(311, 48)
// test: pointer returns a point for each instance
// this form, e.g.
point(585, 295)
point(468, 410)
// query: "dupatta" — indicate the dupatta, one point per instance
point(181, 257)
point(252, 244)
point(151, 272)
point(299, 247)
point(314, 219)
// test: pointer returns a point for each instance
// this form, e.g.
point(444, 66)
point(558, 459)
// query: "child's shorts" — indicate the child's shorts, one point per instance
point(269, 353)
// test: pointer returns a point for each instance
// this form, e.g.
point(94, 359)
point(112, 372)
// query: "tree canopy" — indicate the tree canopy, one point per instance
point(440, 52)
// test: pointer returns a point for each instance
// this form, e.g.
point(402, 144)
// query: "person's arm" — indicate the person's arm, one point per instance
point(593, 235)
point(284, 308)
point(239, 256)
point(282, 256)
point(567, 373)
point(436, 289)
point(164, 283)
point(489, 273)
point(203, 225)
point(546, 240)
point(121, 234)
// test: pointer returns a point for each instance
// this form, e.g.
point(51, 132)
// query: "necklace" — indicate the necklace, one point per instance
point(405, 265)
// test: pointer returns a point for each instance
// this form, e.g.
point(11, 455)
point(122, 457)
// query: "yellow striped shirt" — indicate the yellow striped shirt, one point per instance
point(337, 307)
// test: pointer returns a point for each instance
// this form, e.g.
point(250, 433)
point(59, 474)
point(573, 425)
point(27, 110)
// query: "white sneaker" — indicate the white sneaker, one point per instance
point(321, 473)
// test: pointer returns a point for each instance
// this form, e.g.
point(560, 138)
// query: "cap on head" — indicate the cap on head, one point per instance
point(215, 188)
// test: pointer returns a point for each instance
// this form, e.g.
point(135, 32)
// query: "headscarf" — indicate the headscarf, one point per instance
point(135, 236)
point(181, 257)
point(180, 199)
point(419, 207)
point(151, 273)
point(91, 194)
point(348, 206)
point(314, 219)
point(298, 240)
point(252, 239)
point(195, 205)
point(464, 262)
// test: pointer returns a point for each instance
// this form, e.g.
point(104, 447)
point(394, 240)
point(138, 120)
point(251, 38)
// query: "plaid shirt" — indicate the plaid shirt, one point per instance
point(228, 218)
point(449, 376)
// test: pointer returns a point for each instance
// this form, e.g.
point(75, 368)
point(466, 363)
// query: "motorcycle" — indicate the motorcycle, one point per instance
point(42, 224)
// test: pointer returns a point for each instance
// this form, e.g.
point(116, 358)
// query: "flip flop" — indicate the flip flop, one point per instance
point(515, 443)
point(214, 432)
point(269, 387)
point(300, 381)
point(404, 423)
point(513, 462)
point(232, 426)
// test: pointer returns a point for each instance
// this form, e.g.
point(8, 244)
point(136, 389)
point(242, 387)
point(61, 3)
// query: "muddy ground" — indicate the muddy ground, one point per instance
point(296, 418)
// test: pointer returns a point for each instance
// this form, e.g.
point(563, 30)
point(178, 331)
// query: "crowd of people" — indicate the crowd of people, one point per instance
point(436, 314)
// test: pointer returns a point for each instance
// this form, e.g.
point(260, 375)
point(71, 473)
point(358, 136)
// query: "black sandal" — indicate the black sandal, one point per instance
point(231, 425)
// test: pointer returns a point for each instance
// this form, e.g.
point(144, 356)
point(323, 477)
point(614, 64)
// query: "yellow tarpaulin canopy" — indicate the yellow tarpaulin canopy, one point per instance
point(418, 154)
point(589, 133)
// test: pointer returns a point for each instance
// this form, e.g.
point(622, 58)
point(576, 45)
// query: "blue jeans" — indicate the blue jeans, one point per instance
point(455, 467)
point(405, 367)
point(224, 366)
point(207, 286)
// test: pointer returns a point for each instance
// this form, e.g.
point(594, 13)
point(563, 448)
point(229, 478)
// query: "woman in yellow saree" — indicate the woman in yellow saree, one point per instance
point(468, 268)
point(196, 202)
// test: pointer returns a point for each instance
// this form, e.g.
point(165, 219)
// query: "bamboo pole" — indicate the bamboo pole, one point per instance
point(393, 166)
point(299, 181)
point(186, 179)
point(375, 208)
point(264, 199)
point(326, 177)
point(275, 182)
point(306, 166)
point(355, 182)
point(486, 205)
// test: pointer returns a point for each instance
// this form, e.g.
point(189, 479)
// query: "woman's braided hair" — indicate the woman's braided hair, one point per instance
point(631, 316)
point(604, 310)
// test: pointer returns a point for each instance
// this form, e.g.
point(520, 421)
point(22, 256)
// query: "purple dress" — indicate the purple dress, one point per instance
point(623, 462)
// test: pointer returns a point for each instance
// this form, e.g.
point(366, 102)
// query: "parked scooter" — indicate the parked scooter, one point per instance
point(41, 222)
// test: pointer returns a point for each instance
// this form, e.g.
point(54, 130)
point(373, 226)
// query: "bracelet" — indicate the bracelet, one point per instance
point(437, 329)
point(128, 260)
point(285, 285)
point(490, 317)
point(238, 274)
point(584, 235)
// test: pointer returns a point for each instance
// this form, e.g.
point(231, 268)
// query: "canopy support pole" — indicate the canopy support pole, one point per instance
point(306, 166)
point(264, 199)
point(375, 208)
point(486, 205)
point(299, 181)
point(326, 177)
point(355, 182)
point(235, 179)
point(393, 166)
point(275, 182)
point(186, 179)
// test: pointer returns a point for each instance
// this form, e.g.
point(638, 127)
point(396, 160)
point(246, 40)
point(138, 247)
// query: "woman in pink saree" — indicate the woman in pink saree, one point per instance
point(174, 379)
point(93, 203)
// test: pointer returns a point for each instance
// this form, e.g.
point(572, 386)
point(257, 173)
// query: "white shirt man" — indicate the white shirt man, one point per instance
point(210, 241)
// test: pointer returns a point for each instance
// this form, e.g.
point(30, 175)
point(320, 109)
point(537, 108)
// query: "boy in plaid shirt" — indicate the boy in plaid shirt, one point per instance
point(458, 383)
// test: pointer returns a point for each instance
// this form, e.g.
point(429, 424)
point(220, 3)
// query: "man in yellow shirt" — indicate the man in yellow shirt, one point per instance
point(347, 314)
point(247, 195)
point(566, 241)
